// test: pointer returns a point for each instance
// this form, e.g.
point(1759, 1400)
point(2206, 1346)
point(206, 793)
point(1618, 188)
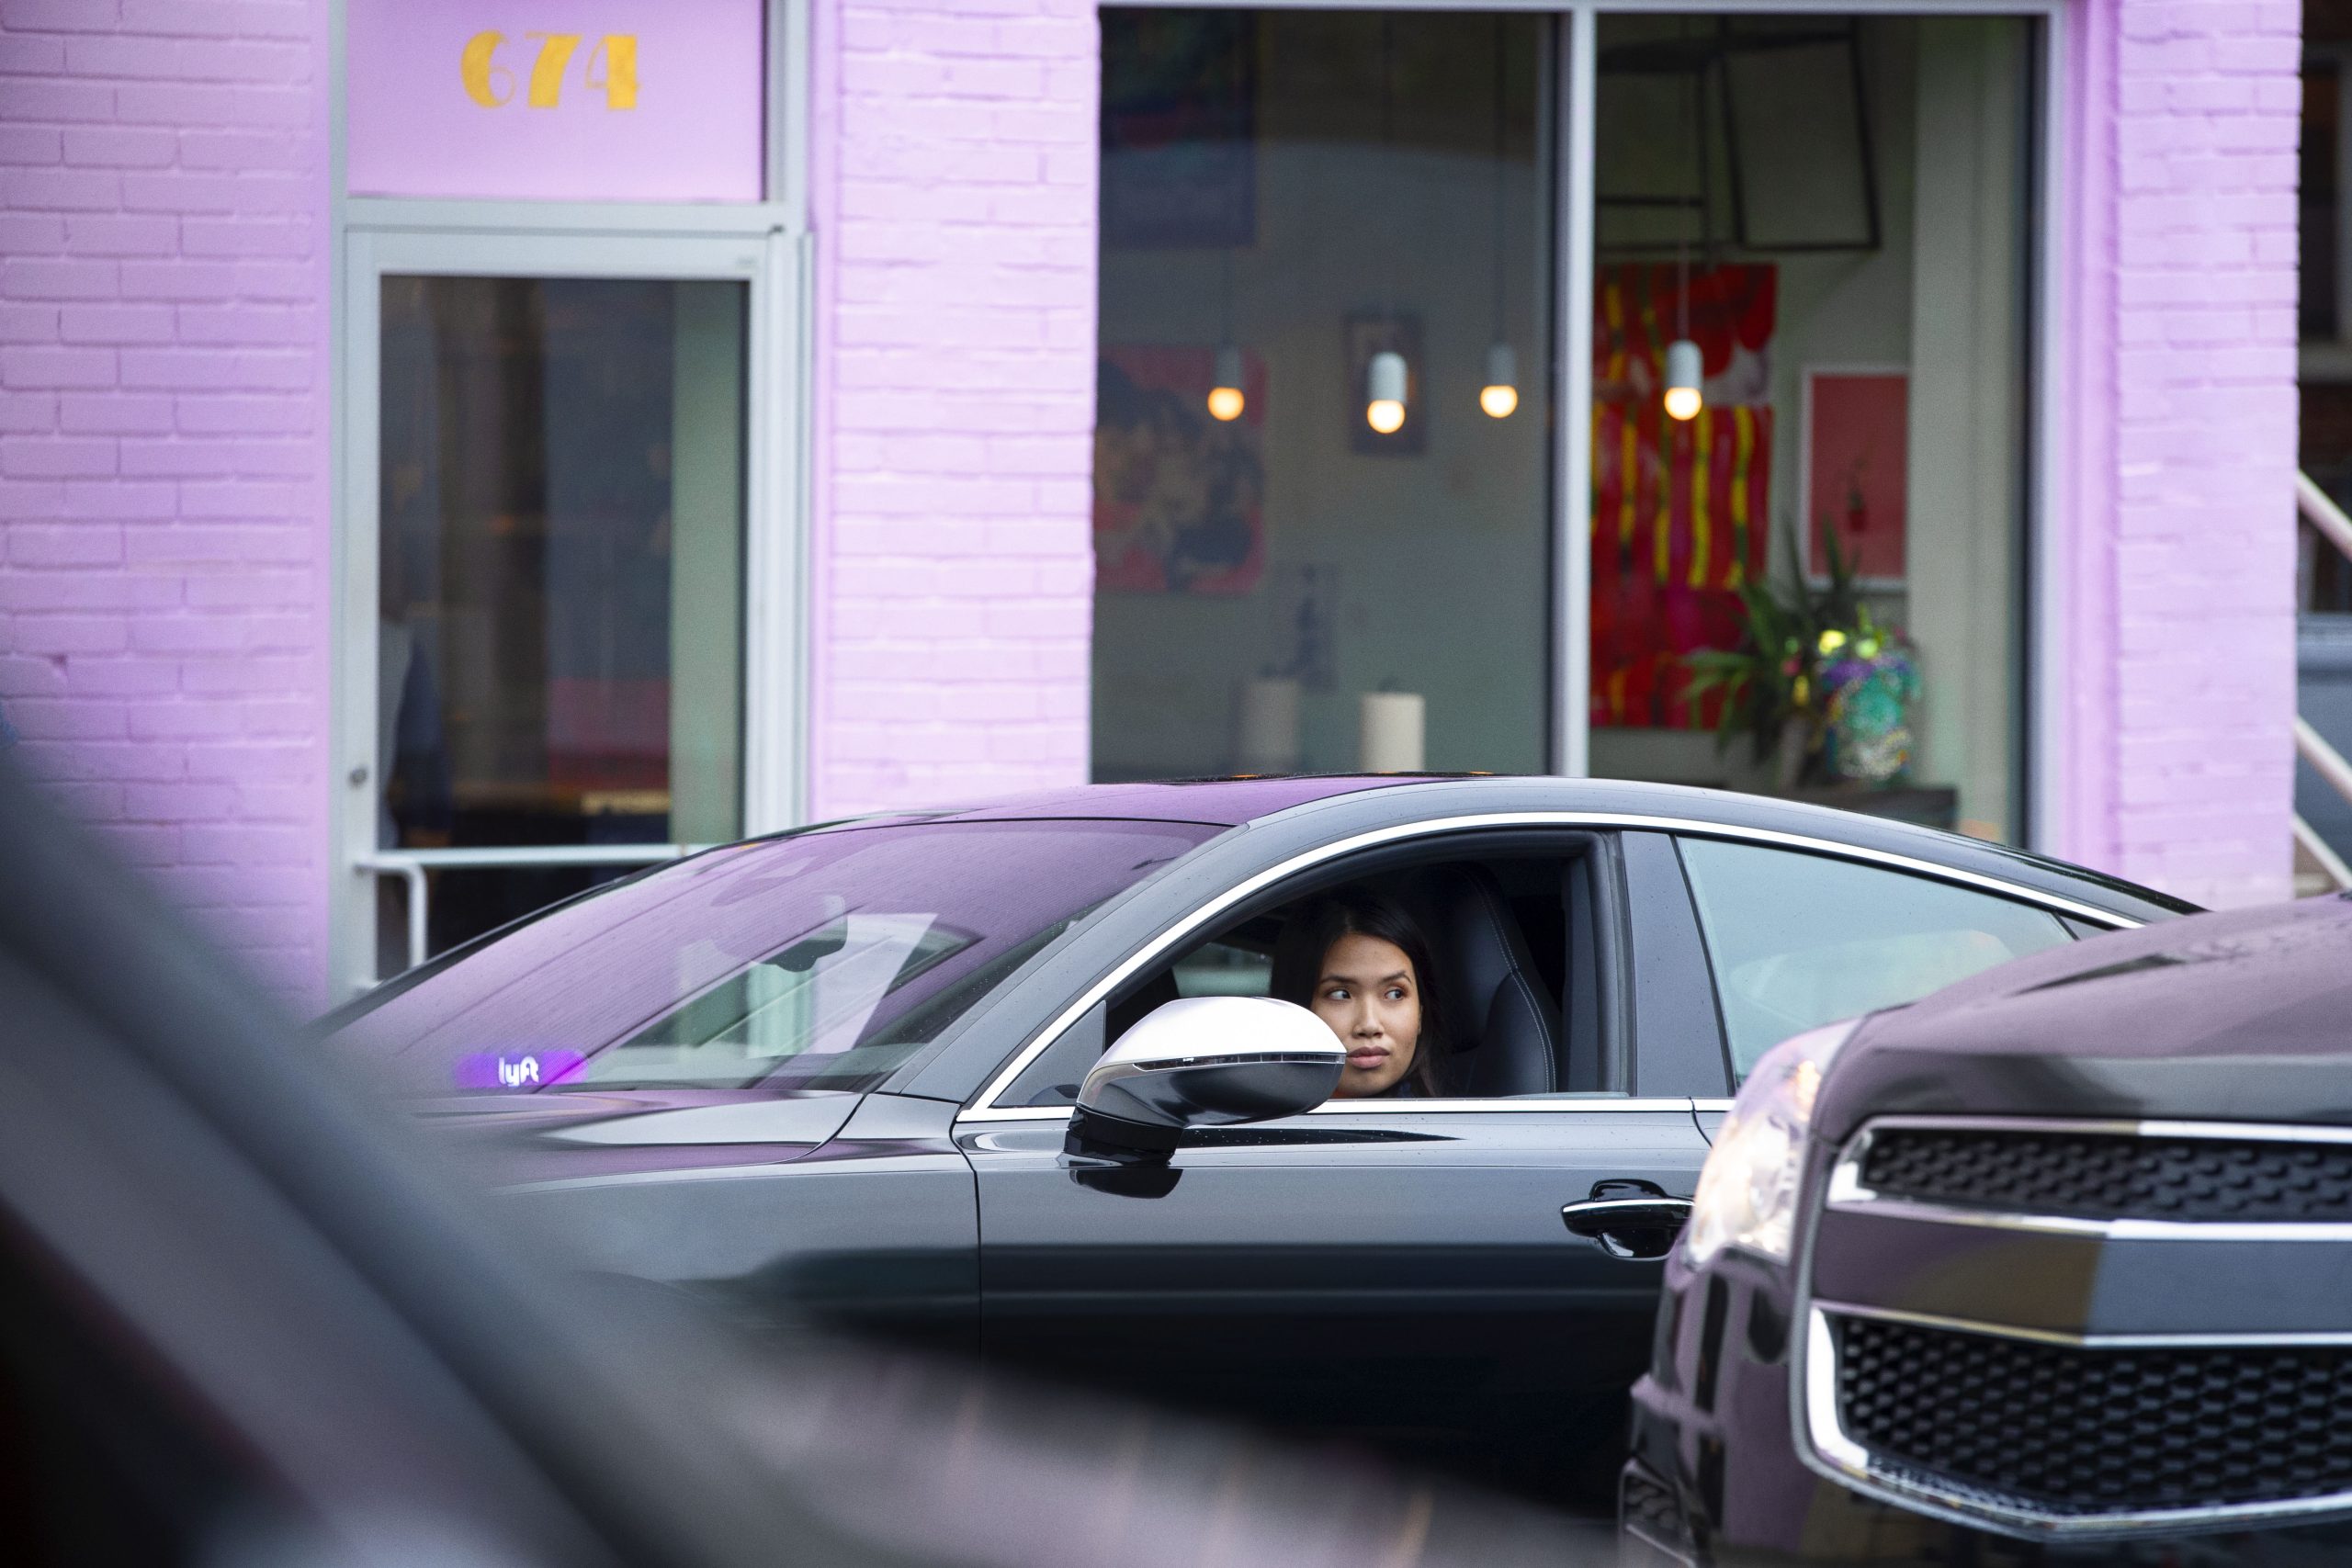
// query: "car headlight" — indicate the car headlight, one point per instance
point(1748, 1190)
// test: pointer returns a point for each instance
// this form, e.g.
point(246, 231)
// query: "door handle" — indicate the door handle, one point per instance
point(1640, 1226)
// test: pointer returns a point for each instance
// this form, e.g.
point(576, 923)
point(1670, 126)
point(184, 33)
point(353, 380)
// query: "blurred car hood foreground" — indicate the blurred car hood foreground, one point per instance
point(292, 1292)
point(2244, 1015)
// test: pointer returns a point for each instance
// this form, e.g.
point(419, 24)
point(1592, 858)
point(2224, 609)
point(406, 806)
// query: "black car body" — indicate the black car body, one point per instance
point(248, 1320)
point(665, 1077)
point(2068, 1265)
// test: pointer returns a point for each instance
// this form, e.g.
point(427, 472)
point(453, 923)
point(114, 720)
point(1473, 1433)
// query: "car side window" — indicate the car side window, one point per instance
point(1512, 940)
point(1796, 940)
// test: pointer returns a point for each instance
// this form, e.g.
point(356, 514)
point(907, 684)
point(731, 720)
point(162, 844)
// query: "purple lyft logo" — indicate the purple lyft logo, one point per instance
point(516, 1069)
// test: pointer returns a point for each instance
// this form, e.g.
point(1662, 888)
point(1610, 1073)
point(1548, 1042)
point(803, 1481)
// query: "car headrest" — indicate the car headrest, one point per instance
point(1494, 1008)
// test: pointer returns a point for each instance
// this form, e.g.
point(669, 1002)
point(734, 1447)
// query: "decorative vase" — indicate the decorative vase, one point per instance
point(1867, 737)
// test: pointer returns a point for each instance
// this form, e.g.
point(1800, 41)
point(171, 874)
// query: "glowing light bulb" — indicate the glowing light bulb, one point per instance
point(1384, 386)
point(1682, 375)
point(1500, 396)
point(1226, 401)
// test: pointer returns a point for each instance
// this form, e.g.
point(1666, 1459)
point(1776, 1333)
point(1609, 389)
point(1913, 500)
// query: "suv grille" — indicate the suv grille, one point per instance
point(2074, 1430)
point(2106, 1176)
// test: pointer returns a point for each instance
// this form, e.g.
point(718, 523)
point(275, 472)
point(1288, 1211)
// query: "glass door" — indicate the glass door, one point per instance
point(551, 573)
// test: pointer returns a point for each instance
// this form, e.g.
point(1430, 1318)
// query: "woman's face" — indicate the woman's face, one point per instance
point(1371, 998)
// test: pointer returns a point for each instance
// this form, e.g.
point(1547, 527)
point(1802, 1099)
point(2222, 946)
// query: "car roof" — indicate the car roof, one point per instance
point(1240, 801)
point(1225, 802)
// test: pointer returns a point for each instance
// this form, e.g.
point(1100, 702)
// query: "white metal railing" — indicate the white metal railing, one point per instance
point(410, 865)
point(2328, 520)
point(2319, 510)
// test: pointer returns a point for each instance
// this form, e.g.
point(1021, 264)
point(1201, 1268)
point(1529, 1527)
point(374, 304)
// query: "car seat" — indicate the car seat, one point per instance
point(1498, 1018)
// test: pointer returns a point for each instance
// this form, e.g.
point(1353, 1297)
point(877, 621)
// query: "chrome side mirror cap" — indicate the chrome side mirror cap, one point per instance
point(1204, 1062)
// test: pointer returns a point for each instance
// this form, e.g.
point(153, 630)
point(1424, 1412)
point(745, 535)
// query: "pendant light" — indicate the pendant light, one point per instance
point(1383, 391)
point(1684, 368)
point(1226, 400)
point(1499, 396)
point(1387, 378)
point(1683, 399)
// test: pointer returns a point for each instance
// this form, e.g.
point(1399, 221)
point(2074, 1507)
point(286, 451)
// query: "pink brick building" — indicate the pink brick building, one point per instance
point(425, 441)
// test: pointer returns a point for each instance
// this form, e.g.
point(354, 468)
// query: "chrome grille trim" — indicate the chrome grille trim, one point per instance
point(1826, 1447)
point(1829, 1448)
point(1849, 1193)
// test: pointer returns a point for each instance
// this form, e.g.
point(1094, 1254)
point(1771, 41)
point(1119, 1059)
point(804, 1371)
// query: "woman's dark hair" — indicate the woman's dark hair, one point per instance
point(1306, 940)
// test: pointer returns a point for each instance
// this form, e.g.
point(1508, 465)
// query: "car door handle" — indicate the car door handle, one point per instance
point(1640, 1227)
point(1598, 1216)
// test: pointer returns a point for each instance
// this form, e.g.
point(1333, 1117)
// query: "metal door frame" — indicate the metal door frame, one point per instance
point(404, 238)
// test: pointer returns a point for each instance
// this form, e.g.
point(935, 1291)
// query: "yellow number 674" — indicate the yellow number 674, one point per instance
point(490, 85)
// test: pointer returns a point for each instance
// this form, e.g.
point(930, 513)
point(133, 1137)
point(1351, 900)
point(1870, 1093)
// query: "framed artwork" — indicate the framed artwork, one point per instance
point(1680, 508)
point(1179, 128)
point(1179, 497)
point(1854, 469)
point(1370, 333)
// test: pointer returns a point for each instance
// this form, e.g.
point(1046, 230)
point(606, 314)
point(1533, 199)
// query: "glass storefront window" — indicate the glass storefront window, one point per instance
point(1323, 506)
point(1835, 211)
point(560, 643)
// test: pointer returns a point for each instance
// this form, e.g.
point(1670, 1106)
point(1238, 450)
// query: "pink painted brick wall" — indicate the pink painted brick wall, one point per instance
point(2178, 458)
point(952, 194)
point(163, 457)
point(164, 414)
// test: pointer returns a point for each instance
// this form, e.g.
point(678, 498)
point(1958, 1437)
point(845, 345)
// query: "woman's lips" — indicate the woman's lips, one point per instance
point(1367, 1056)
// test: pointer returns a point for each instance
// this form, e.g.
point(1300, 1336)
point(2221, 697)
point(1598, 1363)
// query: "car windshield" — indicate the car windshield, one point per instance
point(815, 962)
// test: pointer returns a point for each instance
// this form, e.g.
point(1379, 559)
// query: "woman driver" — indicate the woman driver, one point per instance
point(1360, 964)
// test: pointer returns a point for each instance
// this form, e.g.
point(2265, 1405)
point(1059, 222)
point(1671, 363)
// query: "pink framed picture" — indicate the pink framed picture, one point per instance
point(1854, 469)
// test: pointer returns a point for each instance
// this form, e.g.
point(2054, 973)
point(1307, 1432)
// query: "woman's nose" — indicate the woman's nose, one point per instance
point(1367, 1021)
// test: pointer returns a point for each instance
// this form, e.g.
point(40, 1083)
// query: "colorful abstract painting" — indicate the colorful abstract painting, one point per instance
point(1681, 510)
point(1179, 497)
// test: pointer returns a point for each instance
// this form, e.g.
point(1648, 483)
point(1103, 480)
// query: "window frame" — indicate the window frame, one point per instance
point(1602, 891)
point(2047, 636)
point(1205, 918)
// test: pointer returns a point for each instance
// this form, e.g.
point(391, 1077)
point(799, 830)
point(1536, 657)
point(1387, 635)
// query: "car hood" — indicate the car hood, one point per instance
point(2244, 1015)
point(582, 1132)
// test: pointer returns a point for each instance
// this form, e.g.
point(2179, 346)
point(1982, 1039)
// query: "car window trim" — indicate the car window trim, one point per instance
point(983, 1106)
point(1558, 1104)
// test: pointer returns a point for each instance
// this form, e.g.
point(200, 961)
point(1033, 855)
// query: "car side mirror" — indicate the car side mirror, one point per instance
point(1202, 1062)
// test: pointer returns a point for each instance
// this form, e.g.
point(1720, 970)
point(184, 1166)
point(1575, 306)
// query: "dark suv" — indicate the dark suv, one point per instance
point(2060, 1253)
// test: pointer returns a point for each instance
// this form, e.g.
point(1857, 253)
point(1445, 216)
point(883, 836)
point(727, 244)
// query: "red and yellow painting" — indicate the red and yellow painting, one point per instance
point(1681, 512)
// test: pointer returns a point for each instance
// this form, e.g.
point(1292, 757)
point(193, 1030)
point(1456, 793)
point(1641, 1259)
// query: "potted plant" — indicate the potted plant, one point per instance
point(1815, 683)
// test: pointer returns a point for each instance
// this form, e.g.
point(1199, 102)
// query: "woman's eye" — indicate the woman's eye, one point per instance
point(1395, 993)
